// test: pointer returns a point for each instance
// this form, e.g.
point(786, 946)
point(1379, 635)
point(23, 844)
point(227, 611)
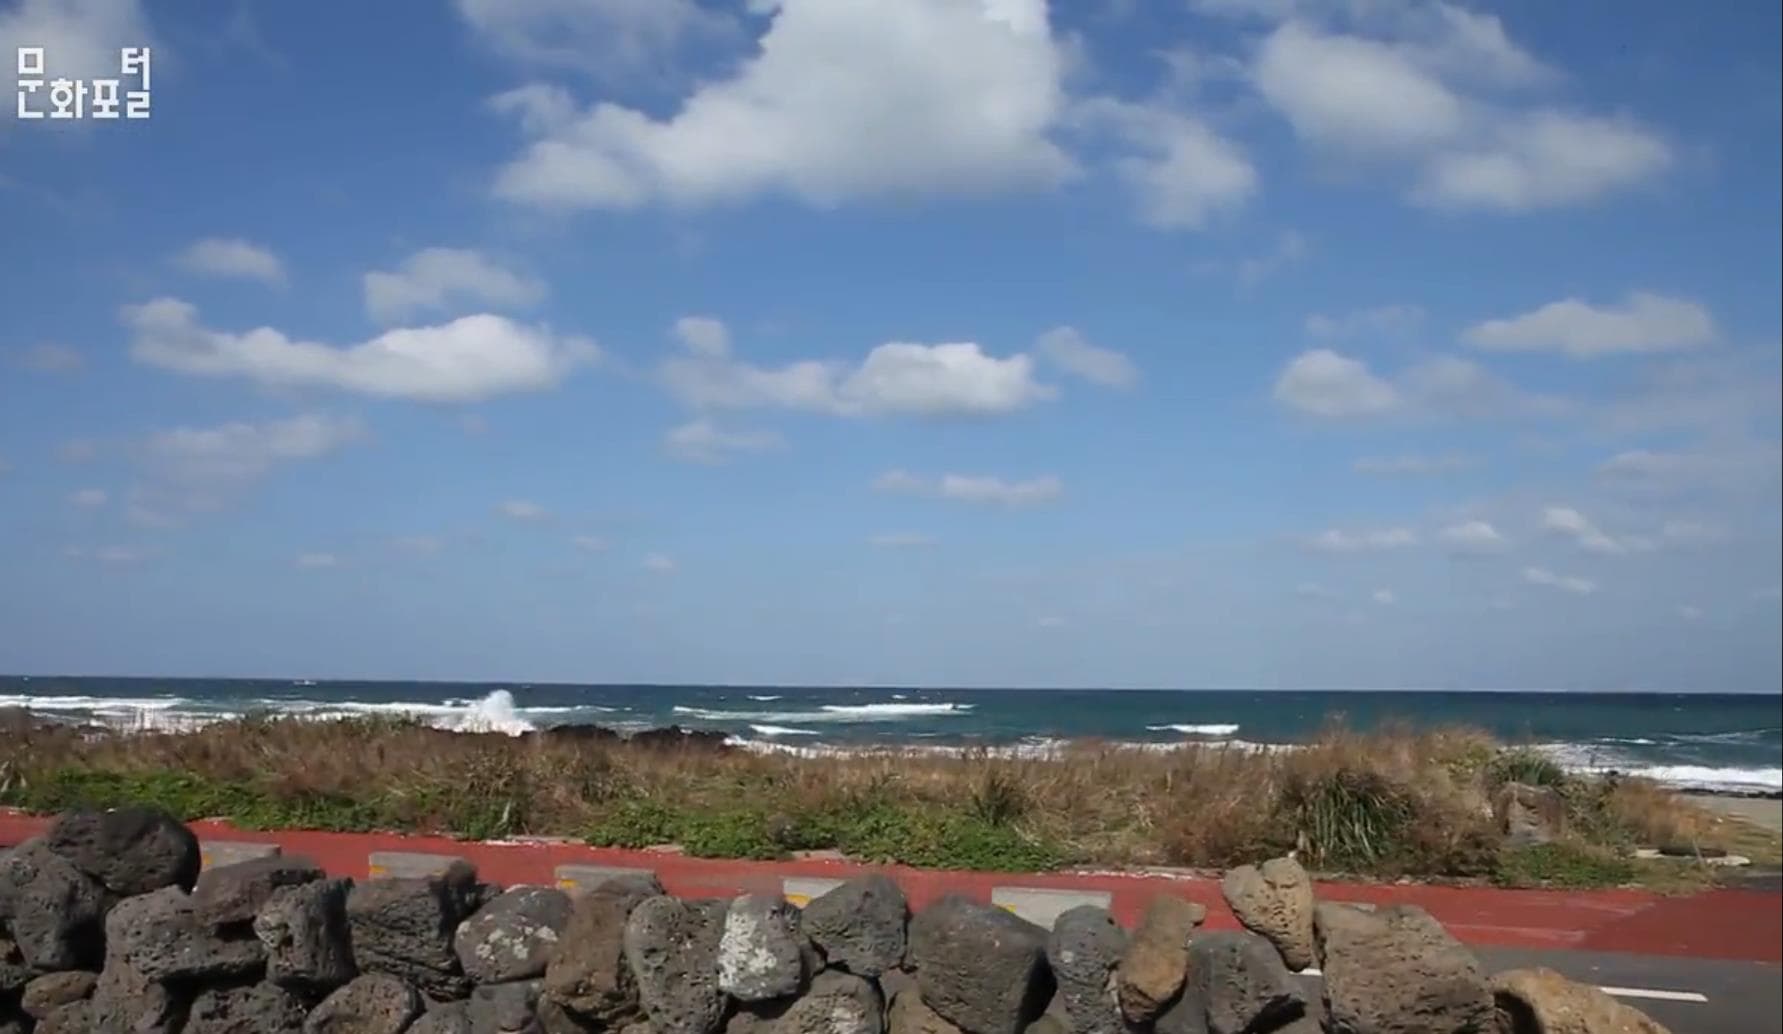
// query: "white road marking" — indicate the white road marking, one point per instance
point(1663, 996)
point(1619, 992)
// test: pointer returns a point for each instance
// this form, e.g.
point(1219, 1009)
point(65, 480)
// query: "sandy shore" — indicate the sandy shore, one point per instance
point(1766, 813)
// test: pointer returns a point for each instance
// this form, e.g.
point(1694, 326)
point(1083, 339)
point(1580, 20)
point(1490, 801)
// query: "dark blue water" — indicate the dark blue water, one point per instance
point(1727, 741)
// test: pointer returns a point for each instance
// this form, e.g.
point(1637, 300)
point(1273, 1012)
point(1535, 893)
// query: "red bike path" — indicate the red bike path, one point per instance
point(1744, 925)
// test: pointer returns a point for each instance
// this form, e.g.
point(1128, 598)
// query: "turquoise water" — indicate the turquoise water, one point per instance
point(1722, 741)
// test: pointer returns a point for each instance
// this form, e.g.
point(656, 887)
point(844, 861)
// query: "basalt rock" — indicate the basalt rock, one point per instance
point(589, 975)
point(305, 932)
point(404, 927)
point(1397, 971)
point(761, 954)
point(1275, 900)
point(859, 925)
point(1151, 972)
point(1085, 948)
point(54, 910)
point(130, 851)
point(514, 936)
point(375, 1003)
point(981, 968)
point(672, 948)
point(235, 893)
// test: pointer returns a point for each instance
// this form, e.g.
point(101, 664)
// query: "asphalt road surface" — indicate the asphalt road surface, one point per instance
point(1689, 996)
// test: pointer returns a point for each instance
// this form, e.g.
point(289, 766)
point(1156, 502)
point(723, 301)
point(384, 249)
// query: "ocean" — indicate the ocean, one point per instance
point(1723, 742)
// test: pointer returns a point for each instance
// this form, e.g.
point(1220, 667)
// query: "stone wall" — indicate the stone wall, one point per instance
point(108, 926)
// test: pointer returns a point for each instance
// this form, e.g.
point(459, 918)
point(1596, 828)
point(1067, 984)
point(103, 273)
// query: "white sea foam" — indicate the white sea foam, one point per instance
point(764, 698)
point(781, 730)
point(1596, 759)
point(896, 710)
point(827, 713)
point(1195, 730)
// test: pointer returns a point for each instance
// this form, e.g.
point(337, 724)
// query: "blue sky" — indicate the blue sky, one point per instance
point(1348, 343)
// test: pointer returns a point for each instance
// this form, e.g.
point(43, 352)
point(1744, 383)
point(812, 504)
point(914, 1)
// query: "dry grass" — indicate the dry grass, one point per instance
point(1387, 803)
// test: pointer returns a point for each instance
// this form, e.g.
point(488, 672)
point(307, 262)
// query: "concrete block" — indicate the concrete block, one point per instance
point(213, 853)
point(801, 889)
point(580, 879)
point(1043, 906)
point(385, 864)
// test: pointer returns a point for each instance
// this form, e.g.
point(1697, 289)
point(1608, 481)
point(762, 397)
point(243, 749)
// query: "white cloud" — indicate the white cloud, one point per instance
point(1564, 520)
point(1380, 321)
point(470, 358)
point(702, 441)
point(871, 97)
point(439, 279)
point(1692, 533)
point(1069, 350)
point(522, 510)
point(1410, 465)
point(1644, 323)
point(605, 38)
point(419, 543)
point(1180, 171)
point(190, 470)
point(80, 39)
point(1314, 591)
point(1566, 583)
point(49, 357)
point(1337, 540)
point(1384, 597)
point(1354, 94)
point(589, 543)
point(704, 336)
point(1543, 159)
point(895, 379)
point(1473, 537)
point(232, 258)
point(900, 540)
point(1324, 383)
point(316, 561)
point(89, 498)
point(1049, 621)
point(1690, 613)
point(980, 489)
point(659, 563)
point(1754, 467)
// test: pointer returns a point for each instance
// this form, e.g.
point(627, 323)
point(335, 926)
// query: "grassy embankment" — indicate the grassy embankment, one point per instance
point(1386, 804)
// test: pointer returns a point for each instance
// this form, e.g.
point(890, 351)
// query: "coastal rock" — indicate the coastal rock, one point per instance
point(1151, 972)
point(1085, 948)
point(53, 909)
point(51, 991)
point(1397, 971)
point(445, 1018)
point(1529, 815)
point(837, 1003)
point(909, 1014)
point(305, 933)
point(126, 1002)
point(514, 936)
point(589, 975)
point(762, 953)
point(130, 851)
point(1275, 900)
point(254, 1009)
point(672, 948)
point(1236, 984)
point(1049, 1023)
point(159, 936)
point(981, 968)
point(235, 893)
point(509, 1008)
point(73, 1018)
point(1541, 1001)
point(757, 1017)
point(673, 737)
point(555, 1019)
point(404, 927)
point(860, 925)
point(14, 973)
point(376, 1003)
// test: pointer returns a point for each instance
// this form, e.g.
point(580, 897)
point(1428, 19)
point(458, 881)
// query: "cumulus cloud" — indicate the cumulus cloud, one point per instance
point(1069, 350)
point(470, 358)
point(49, 357)
point(1565, 583)
point(1433, 88)
point(895, 379)
point(1473, 538)
point(190, 470)
point(704, 336)
point(1338, 540)
point(1378, 322)
point(1411, 465)
point(80, 39)
point(1570, 523)
point(659, 563)
point(702, 441)
point(1384, 597)
point(438, 279)
point(1643, 323)
point(1328, 384)
point(522, 510)
point(232, 258)
point(604, 38)
point(316, 561)
point(972, 488)
point(1179, 170)
point(589, 543)
point(89, 498)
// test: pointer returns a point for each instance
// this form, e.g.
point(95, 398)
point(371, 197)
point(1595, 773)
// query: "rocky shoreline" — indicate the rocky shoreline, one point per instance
point(107, 925)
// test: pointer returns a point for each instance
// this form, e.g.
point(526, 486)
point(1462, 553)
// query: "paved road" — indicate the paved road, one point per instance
point(1739, 997)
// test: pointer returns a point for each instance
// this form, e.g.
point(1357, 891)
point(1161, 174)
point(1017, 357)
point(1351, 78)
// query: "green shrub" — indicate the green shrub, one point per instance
point(1350, 819)
point(1561, 864)
point(1529, 767)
